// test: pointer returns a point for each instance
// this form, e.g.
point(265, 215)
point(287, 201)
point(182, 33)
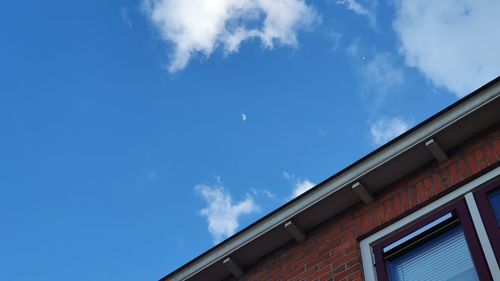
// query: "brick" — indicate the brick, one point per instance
point(412, 195)
point(490, 154)
point(481, 159)
point(429, 187)
point(471, 163)
point(405, 201)
point(496, 145)
point(396, 202)
point(331, 251)
point(455, 178)
point(421, 195)
point(359, 226)
point(445, 178)
point(375, 222)
point(463, 170)
point(381, 214)
point(389, 210)
point(438, 185)
point(366, 223)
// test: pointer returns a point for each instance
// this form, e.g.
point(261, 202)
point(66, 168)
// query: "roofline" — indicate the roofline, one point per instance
point(351, 173)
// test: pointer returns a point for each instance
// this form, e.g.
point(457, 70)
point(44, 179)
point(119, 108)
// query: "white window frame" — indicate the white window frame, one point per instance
point(464, 191)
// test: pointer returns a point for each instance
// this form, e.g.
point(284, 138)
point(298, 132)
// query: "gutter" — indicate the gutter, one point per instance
point(416, 136)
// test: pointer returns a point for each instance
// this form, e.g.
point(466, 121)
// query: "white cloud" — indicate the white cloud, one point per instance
point(386, 129)
point(222, 215)
point(383, 74)
point(359, 9)
point(300, 185)
point(201, 26)
point(454, 43)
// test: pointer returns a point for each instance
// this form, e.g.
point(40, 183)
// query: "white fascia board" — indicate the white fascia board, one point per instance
point(326, 189)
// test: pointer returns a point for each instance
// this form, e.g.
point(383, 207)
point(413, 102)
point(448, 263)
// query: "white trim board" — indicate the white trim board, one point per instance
point(365, 244)
point(483, 236)
point(333, 185)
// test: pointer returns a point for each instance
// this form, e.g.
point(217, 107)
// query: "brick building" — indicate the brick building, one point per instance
point(425, 206)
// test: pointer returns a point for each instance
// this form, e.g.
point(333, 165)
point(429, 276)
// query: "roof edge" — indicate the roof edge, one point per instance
point(421, 132)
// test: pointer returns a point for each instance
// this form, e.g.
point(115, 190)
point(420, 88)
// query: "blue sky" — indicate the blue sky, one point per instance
point(136, 134)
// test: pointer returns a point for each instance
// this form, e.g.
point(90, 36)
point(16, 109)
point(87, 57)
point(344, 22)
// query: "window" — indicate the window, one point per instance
point(442, 246)
point(488, 201)
point(445, 232)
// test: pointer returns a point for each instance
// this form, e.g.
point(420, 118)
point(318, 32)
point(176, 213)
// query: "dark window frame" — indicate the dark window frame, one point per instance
point(460, 211)
point(488, 216)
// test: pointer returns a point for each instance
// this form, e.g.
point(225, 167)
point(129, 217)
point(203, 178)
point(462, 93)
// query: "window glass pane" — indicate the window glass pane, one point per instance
point(495, 203)
point(446, 257)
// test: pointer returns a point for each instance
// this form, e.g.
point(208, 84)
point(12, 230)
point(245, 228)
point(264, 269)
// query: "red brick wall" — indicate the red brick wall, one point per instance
point(331, 251)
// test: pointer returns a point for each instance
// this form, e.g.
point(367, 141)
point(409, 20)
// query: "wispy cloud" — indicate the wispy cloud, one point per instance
point(262, 192)
point(322, 132)
point(152, 175)
point(382, 73)
point(361, 10)
point(126, 17)
point(454, 43)
point(386, 129)
point(354, 49)
point(299, 185)
point(335, 38)
point(221, 213)
point(201, 26)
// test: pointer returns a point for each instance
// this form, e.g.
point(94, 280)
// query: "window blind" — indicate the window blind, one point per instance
point(446, 257)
